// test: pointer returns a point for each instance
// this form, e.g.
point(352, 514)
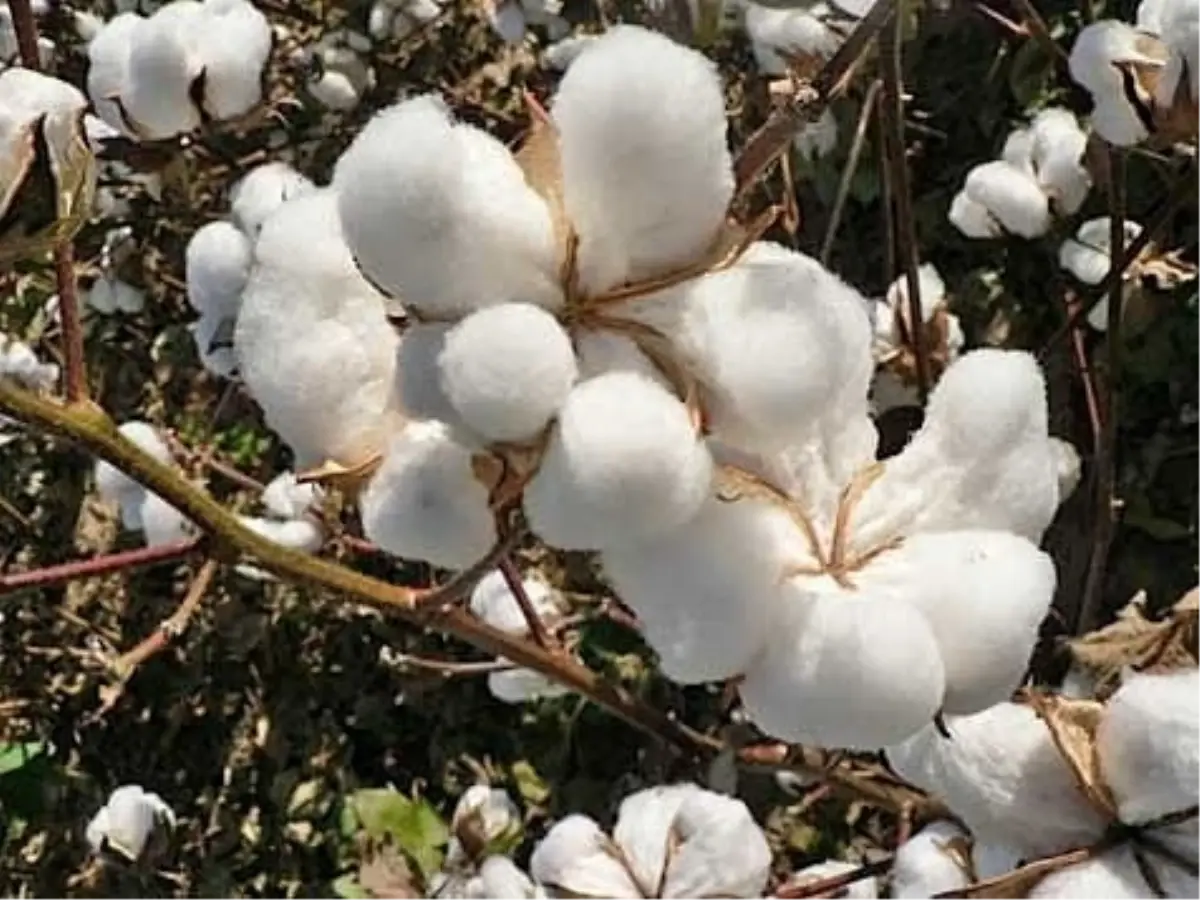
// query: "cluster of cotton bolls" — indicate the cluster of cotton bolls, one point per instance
point(338, 70)
point(141, 509)
point(154, 77)
point(1141, 76)
point(1040, 174)
point(220, 255)
point(132, 823)
point(1002, 774)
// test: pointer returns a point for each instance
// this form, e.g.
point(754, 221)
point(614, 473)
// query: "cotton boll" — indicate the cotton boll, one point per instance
point(705, 593)
point(305, 535)
point(494, 602)
point(844, 669)
point(114, 485)
point(425, 502)
point(817, 139)
point(1114, 874)
point(1088, 255)
point(285, 498)
point(217, 266)
point(163, 65)
point(863, 888)
point(110, 295)
point(973, 219)
point(1097, 47)
point(128, 821)
point(507, 370)
point(1002, 775)
point(794, 31)
point(983, 595)
point(1181, 33)
point(722, 851)
point(1059, 145)
point(261, 191)
point(647, 176)
point(1069, 467)
point(624, 464)
point(108, 66)
point(440, 214)
point(927, 864)
point(559, 55)
point(418, 385)
point(598, 352)
point(161, 522)
point(1012, 197)
point(234, 46)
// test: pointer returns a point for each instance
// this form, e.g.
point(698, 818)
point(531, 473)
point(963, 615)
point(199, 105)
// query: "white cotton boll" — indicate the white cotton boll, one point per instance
point(559, 55)
point(973, 219)
point(1002, 775)
point(26, 96)
point(440, 214)
point(647, 175)
point(598, 352)
point(1018, 150)
point(494, 602)
point(312, 339)
point(161, 522)
point(418, 385)
point(163, 65)
point(212, 336)
point(261, 191)
point(817, 139)
point(234, 46)
point(1149, 744)
point(112, 484)
point(624, 464)
point(1012, 197)
point(1088, 255)
point(765, 339)
point(127, 822)
point(1181, 33)
point(108, 66)
point(928, 863)
point(286, 498)
point(864, 888)
point(577, 857)
point(502, 878)
point(425, 502)
point(336, 90)
point(1097, 47)
point(111, 295)
point(1114, 874)
point(844, 669)
point(984, 595)
point(705, 593)
point(722, 851)
point(518, 686)
point(795, 31)
point(1059, 145)
point(305, 535)
point(1069, 467)
point(507, 370)
point(217, 266)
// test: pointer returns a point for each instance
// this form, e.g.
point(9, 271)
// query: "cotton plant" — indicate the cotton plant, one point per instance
point(484, 829)
point(1040, 175)
point(494, 602)
point(132, 822)
point(338, 72)
point(397, 19)
point(190, 62)
point(141, 509)
point(1130, 763)
point(669, 841)
point(512, 19)
point(1143, 78)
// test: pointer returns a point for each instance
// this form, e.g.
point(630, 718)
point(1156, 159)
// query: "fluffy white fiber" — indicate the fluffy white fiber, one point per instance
point(1057, 158)
point(440, 215)
point(114, 486)
point(108, 66)
point(646, 173)
point(862, 889)
point(1088, 255)
point(161, 69)
point(1098, 47)
point(1012, 197)
point(507, 370)
point(418, 386)
point(425, 503)
point(494, 602)
point(623, 465)
point(1114, 875)
point(927, 863)
point(312, 339)
point(217, 266)
point(261, 191)
point(793, 31)
point(234, 45)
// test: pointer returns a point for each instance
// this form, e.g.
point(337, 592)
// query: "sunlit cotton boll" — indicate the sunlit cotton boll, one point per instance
point(844, 669)
point(646, 172)
point(108, 67)
point(623, 464)
point(929, 862)
point(1011, 197)
point(1057, 155)
point(418, 384)
point(440, 214)
point(261, 191)
point(507, 370)
point(163, 64)
point(1097, 48)
point(425, 503)
point(234, 45)
point(795, 31)
point(494, 602)
point(1002, 775)
point(110, 295)
point(217, 266)
point(128, 821)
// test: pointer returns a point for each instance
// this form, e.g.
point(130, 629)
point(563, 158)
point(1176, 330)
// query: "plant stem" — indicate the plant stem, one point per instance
point(50, 576)
point(831, 884)
point(27, 34)
point(516, 585)
point(869, 107)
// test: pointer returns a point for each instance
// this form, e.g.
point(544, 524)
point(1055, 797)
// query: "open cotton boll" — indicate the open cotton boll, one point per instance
point(440, 214)
point(286, 498)
point(576, 856)
point(705, 593)
point(646, 173)
point(108, 67)
point(113, 484)
point(624, 464)
point(817, 139)
point(1011, 197)
point(418, 385)
point(161, 522)
point(863, 888)
point(507, 370)
point(163, 64)
point(494, 602)
point(425, 502)
point(305, 535)
point(234, 46)
point(929, 862)
point(983, 595)
point(1058, 149)
point(1114, 874)
point(793, 31)
point(261, 191)
point(844, 669)
point(598, 352)
point(1149, 744)
point(312, 338)
point(1181, 33)
point(1088, 255)
point(929, 283)
point(972, 218)
point(1097, 47)
point(1002, 775)
point(110, 295)
point(217, 266)
point(128, 821)
point(497, 876)
point(763, 338)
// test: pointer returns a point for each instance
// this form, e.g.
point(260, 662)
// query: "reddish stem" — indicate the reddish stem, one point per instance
point(98, 565)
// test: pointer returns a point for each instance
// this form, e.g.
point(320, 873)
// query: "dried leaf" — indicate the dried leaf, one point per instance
point(1073, 724)
point(505, 470)
point(348, 479)
point(541, 162)
point(1019, 882)
point(903, 363)
point(385, 873)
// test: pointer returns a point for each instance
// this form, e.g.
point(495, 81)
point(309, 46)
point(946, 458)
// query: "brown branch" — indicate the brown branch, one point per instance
point(1086, 375)
point(869, 107)
point(50, 576)
point(27, 34)
point(1041, 32)
point(516, 585)
point(830, 885)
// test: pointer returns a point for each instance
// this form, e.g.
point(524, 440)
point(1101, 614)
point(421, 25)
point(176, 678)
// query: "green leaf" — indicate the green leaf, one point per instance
point(529, 783)
point(347, 886)
point(1032, 69)
point(411, 824)
point(17, 755)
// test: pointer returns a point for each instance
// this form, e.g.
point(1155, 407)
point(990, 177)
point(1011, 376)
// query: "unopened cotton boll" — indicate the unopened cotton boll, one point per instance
point(844, 669)
point(494, 602)
point(507, 370)
point(441, 215)
point(217, 266)
point(261, 191)
point(425, 502)
point(163, 65)
point(705, 593)
point(1003, 776)
point(817, 139)
point(598, 352)
point(623, 464)
point(647, 175)
point(928, 863)
point(1013, 198)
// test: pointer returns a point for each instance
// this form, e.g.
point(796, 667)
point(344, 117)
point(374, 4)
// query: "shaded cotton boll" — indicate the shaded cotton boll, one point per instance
point(863, 888)
point(1114, 874)
point(795, 31)
point(261, 191)
point(163, 64)
point(1181, 32)
point(1002, 775)
point(128, 821)
point(1058, 149)
point(425, 502)
point(108, 67)
point(418, 385)
point(111, 295)
point(983, 595)
point(705, 593)
point(624, 464)
point(1069, 467)
point(286, 498)
point(161, 522)
point(598, 352)
point(972, 218)
point(113, 485)
point(312, 339)
point(647, 175)
point(1011, 197)
point(817, 139)
point(217, 266)
point(843, 669)
point(234, 45)
point(1149, 745)
point(928, 863)
point(1097, 47)
point(507, 370)
point(440, 214)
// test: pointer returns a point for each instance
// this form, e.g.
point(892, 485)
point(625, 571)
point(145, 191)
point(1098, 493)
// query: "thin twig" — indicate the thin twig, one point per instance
point(869, 107)
point(1086, 376)
point(1041, 32)
point(830, 885)
point(451, 668)
point(516, 585)
point(49, 576)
